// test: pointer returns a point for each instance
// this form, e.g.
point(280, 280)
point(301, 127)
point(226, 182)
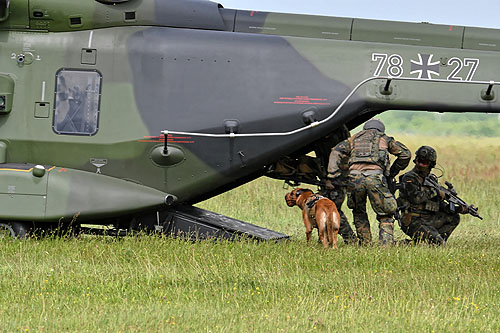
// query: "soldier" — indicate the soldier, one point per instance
point(336, 192)
point(425, 214)
point(367, 155)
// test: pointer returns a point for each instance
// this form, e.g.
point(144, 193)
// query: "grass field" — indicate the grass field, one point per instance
point(143, 283)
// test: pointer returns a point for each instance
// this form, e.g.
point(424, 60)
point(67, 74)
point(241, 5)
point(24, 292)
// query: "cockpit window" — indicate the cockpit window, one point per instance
point(77, 102)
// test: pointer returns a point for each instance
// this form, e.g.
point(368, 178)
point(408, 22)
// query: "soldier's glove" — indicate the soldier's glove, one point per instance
point(437, 193)
point(328, 185)
point(459, 209)
point(463, 209)
point(433, 177)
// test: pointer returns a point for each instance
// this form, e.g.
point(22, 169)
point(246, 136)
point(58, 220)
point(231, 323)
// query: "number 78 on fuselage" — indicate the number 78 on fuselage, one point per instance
point(425, 66)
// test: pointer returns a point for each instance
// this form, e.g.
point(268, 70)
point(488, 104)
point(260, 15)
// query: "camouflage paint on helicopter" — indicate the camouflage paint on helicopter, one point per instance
point(89, 86)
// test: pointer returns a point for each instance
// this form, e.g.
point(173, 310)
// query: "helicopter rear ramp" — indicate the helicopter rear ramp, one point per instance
point(195, 223)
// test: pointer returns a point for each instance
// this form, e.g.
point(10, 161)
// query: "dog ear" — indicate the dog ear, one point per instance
point(290, 199)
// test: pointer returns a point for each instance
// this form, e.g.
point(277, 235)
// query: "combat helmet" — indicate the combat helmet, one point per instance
point(426, 153)
point(374, 124)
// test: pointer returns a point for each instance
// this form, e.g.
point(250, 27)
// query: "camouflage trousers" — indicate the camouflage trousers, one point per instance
point(371, 186)
point(434, 228)
point(338, 197)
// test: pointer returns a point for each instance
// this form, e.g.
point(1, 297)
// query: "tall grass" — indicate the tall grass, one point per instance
point(442, 124)
point(150, 283)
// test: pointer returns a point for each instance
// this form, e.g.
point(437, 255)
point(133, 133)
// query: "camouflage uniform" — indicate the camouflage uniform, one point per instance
point(337, 195)
point(367, 153)
point(425, 215)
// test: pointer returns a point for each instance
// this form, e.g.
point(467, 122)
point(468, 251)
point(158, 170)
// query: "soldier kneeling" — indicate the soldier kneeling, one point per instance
point(426, 216)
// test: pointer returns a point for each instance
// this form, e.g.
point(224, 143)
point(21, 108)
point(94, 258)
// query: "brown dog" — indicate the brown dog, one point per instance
point(317, 212)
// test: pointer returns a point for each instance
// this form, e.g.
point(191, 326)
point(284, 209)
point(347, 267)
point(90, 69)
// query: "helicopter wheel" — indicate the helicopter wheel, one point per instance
point(13, 229)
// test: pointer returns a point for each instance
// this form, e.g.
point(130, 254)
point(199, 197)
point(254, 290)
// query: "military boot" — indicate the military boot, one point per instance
point(362, 225)
point(345, 230)
point(364, 235)
point(386, 231)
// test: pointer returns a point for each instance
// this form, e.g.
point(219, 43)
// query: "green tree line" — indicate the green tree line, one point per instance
point(431, 123)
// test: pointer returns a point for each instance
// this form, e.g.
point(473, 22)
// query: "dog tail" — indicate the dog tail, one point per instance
point(332, 232)
point(329, 228)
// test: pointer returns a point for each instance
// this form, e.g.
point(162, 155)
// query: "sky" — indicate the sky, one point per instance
point(476, 13)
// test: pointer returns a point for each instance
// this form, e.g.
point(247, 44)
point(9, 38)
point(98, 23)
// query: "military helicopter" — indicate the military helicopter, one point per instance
point(128, 112)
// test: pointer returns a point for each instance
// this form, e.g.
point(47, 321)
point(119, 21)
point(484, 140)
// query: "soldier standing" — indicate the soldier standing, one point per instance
point(367, 156)
point(336, 192)
point(425, 214)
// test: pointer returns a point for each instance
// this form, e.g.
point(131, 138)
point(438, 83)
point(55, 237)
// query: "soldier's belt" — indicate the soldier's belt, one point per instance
point(416, 214)
point(365, 172)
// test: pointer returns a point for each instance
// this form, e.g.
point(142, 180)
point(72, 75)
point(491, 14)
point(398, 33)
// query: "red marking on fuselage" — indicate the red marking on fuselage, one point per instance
point(305, 98)
point(451, 27)
point(301, 103)
point(63, 170)
point(154, 141)
point(251, 13)
point(302, 100)
point(170, 139)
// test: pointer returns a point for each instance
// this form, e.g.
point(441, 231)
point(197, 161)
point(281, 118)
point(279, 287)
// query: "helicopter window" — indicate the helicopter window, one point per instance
point(77, 101)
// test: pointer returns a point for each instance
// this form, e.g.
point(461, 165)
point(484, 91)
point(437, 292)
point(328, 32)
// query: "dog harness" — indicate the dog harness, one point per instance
point(309, 206)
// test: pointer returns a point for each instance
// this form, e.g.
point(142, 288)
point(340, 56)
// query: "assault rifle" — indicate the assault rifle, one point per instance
point(450, 195)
